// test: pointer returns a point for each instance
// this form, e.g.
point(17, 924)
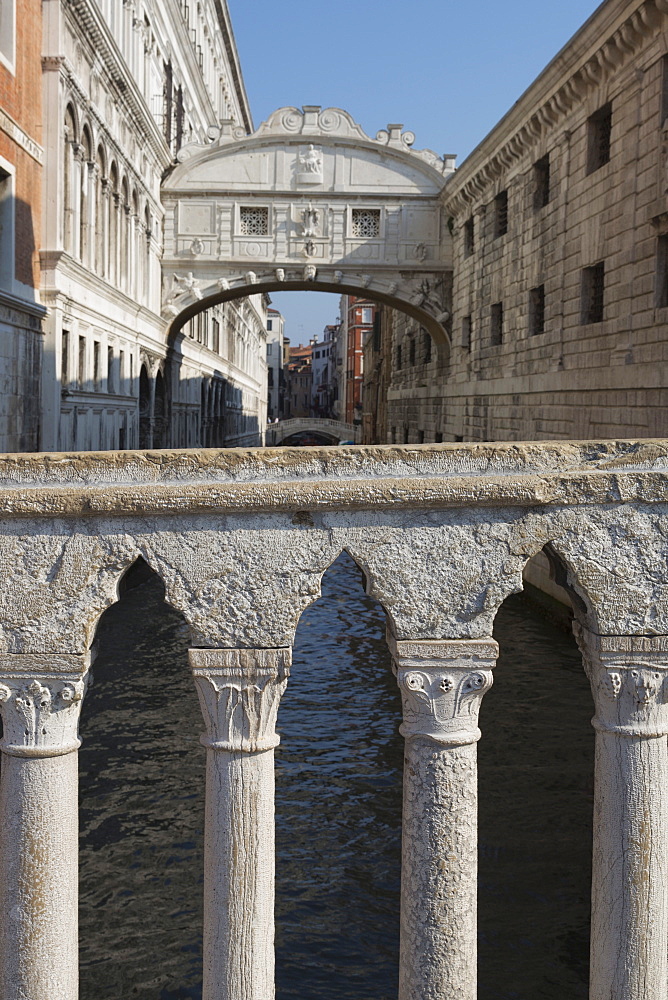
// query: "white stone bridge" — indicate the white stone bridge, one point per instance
point(308, 202)
point(335, 431)
point(241, 540)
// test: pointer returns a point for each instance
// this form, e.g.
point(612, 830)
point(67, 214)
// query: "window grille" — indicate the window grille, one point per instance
point(254, 221)
point(541, 175)
point(469, 237)
point(501, 214)
point(496, 325)
point(599, 130)
point(466, 333)
point(593, 288)
point(537, 310)
point(662, 272)
point(366, 222)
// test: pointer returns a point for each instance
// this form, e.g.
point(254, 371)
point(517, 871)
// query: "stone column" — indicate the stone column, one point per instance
point(629, 679)
point(239, 691)
point(40, 701)
point(442, 684)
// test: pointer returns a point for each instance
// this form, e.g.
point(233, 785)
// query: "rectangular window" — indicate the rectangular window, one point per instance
point(82, 362)
point(96, 363)
point(438, 437)
point(593, 286)
point(537, 310)
point(541, 181)
point(367, 316)
point(466, 333)
point(121, 370)
point(662, 272)
point(496, 323)
point(64, 357)
point(411, 351)
point(216, 336)
point(599, 130)
point(398, 355)
point(469, 237)
point(420, 437)
point(376, 332)
point(253, 221)
point(111, 374)
point(6, 228)
point(270, 324)
point(426, 340)
point(8, 33)
point(501, 214)
point(366, 222)
point(394, 435)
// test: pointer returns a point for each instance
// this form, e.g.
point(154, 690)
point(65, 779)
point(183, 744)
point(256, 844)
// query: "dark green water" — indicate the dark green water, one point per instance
point(338, 809)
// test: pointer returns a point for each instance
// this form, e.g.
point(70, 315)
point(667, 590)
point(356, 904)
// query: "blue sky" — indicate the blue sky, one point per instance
point(448, 70)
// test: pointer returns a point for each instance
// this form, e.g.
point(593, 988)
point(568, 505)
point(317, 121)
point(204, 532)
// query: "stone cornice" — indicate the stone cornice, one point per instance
point(352, 478)
point(98, 36)
point(611, 36)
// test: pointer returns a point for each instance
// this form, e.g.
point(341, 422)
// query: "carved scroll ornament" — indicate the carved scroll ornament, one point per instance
point(239, 692)
point(629, 681)
point(442, 685)
point(40, 716)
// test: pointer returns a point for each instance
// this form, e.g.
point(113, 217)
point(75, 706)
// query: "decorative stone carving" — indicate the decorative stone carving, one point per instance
point(40, 713)
point(442, 684)
point(310, 272)
point(280, 274)
point(310, 221)
point(239, 692)
point(309, 166)
point(188, 284)
point(629, 680)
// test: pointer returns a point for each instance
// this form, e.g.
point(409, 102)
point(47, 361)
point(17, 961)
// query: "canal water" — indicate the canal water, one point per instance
point(338, 820)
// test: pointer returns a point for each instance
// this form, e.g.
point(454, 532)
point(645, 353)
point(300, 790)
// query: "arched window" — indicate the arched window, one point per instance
point(84, 197)
point(124, 236)
point(101, 211)
point(69, 222)
point(114, 208)
point(136, 261)
point(148, 226)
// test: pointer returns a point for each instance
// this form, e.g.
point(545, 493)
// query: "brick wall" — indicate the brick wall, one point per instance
point(529, 359)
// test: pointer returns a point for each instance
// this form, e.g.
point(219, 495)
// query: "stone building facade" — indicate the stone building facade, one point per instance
point(560, 269)
point(21, 159)
point(125, 87)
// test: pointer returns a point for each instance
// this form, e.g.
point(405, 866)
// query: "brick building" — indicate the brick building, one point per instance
point(560, 223)
point(21, 158)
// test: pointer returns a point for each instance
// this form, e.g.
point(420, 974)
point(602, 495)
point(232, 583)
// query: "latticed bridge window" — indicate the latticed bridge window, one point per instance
point(366, 222)
point(254, 221)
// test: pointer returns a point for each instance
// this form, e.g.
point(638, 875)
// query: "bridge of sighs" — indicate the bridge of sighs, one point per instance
point(308, 202)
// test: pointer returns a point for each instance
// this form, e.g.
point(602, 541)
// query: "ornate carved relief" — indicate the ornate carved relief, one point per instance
point(629, 680)
point(239, 692)
point(442, 684)
point(40, 714)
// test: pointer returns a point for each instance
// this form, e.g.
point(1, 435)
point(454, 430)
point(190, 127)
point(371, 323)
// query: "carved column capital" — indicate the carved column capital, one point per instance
point(629, 682)
point(442, 683)
point(40, 703)
point(239, 692)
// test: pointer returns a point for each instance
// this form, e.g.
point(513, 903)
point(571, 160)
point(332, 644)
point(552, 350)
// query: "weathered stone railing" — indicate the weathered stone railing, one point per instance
point(241, 540)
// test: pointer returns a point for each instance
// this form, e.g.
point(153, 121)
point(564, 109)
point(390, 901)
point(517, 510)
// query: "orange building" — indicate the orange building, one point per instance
point(359, 317)
point(20, 222)
point(300, 381)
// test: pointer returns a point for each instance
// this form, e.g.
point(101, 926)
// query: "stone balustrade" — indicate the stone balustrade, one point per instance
point(241, 540)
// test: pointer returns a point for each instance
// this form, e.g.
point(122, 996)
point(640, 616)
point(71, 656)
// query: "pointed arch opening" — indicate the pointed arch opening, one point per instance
point(339, 780)
point(142, 802)
point(536, 777)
